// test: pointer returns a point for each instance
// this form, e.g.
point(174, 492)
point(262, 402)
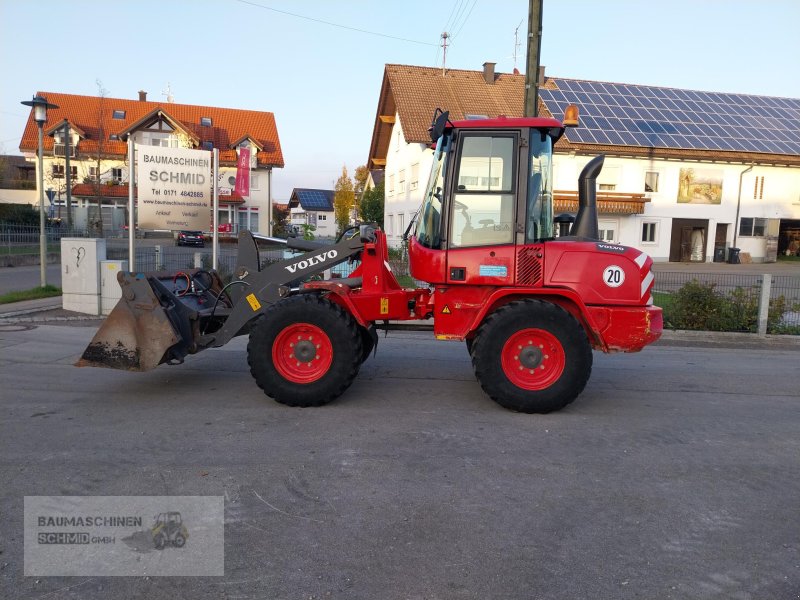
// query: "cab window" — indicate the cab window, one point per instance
point(483, 201)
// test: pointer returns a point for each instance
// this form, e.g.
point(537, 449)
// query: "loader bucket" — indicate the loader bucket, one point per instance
point(138, 334)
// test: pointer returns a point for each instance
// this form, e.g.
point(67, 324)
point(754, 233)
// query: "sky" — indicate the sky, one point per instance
point(318, 65)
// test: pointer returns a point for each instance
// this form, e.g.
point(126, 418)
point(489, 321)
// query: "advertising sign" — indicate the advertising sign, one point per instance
point(243, 173)
point(174, 186)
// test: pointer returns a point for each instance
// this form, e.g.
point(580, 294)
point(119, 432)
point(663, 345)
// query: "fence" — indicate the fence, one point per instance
point(15, 239)
point(701, 301)
point(729, 302)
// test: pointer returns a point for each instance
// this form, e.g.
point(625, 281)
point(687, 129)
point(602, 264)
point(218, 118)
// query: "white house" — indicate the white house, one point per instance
point(98, 127)
point(313, 207)
point(688, 174)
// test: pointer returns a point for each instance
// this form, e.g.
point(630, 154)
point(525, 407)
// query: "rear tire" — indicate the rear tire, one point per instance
point(304, 351)
point(532, 356)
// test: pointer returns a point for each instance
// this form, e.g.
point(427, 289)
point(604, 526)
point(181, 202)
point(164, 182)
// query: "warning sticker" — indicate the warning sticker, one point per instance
point(253, 301)
point(384, 306)
point(446, 310)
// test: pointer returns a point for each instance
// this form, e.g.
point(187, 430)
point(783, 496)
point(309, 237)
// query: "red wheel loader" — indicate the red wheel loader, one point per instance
point(530, 306)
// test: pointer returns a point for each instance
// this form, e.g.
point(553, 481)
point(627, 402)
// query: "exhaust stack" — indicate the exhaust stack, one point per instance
point(585, 226)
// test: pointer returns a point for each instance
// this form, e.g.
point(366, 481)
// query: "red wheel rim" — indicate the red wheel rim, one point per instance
point(533, 359)
point(302, 353)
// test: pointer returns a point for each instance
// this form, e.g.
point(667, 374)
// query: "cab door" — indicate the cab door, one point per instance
point(481, 227)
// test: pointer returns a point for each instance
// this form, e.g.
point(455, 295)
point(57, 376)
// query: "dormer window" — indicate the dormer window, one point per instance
point(205, 121)
point(113, 136)
point(118, 114)
point(207, 145)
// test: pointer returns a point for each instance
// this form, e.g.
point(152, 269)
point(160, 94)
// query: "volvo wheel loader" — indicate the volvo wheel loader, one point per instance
point(530, 306)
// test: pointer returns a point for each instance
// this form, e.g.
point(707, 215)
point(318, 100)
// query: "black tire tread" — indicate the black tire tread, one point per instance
point(491, 335)
point(333, 383)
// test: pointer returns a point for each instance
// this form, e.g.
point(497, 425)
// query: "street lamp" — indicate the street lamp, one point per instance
point(40, 106)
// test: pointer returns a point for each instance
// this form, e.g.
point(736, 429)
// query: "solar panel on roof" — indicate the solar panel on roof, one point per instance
point(314, 199)
point(625, 114)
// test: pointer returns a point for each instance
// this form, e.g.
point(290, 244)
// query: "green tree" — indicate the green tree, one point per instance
point(343, 200)
point(372, 205)
point(360, 179)
point(280, 218)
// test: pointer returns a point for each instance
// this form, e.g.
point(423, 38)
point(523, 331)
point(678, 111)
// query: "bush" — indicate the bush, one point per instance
point(19, 214)
point(699, 306)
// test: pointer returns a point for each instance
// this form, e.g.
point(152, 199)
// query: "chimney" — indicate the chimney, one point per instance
point(142, 96)
point(541, 76)
point(488, 72)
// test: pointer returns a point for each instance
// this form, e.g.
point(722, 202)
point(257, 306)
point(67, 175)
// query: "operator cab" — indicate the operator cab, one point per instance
point(489, 190)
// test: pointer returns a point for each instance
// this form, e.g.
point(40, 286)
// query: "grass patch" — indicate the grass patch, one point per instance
point(33, 294)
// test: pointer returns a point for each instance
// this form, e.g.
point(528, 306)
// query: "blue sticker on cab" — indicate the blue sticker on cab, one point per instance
point(493, 271)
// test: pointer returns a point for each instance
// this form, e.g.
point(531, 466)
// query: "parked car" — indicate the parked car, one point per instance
point(190, 238)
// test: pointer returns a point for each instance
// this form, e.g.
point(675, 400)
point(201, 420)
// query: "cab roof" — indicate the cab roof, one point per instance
point(506, 123)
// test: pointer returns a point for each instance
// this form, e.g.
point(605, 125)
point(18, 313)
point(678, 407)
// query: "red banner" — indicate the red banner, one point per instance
point(243, 173)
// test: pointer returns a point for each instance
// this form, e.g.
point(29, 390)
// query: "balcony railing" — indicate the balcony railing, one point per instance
point(610, 203)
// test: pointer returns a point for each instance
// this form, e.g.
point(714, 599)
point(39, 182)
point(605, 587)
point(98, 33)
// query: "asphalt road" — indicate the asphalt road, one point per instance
point(674, 475)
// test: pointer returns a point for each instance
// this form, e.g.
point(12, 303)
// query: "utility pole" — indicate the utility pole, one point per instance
point(68, 170)
point(445, 35)
point(534, 48)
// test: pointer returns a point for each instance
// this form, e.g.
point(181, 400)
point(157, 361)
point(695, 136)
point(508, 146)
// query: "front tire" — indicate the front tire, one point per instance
point(304, 351)
point(532, 356)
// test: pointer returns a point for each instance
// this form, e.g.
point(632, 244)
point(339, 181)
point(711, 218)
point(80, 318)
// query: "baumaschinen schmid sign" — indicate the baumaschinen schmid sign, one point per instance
point(174, 188)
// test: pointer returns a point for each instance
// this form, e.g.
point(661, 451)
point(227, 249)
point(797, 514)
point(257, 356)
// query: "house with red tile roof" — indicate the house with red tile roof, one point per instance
point(94, 131)
point(688, 174)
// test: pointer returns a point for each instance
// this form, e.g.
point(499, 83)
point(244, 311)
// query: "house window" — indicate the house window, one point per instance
point(608, 179)
point(401, 181)
point(159, 139)
point(651, 181)
point(751, 227)
point(205, 121)
point(253, 182)
point(323, 217)
point(93, 171)
point(118, 114)
point(401, 223)
point(414, 177)
point(649, 233)
point(390, 228)
point(58, 171)
point(116, 175)
point(391, 184)
point(608, 231)
point(114, 137)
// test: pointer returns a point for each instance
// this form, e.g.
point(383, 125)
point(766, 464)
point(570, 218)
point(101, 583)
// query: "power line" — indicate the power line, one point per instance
point(464, 22)
point(339, 25)
point(453, 12)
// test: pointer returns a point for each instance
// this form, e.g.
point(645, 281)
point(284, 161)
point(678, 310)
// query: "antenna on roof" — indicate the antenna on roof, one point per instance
point(168, 94)
point(517, 43)
point(445, 35)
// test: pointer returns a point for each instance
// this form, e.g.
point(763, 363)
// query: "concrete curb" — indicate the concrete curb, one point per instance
point(27, 307)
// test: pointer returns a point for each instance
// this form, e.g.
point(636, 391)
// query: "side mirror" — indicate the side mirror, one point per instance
point(438, 124)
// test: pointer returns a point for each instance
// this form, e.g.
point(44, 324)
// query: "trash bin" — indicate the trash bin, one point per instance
point(733, 256)
point(719, 254)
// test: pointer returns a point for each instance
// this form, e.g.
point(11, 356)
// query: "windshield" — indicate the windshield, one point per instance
point(540, 188)
point(430, 215)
